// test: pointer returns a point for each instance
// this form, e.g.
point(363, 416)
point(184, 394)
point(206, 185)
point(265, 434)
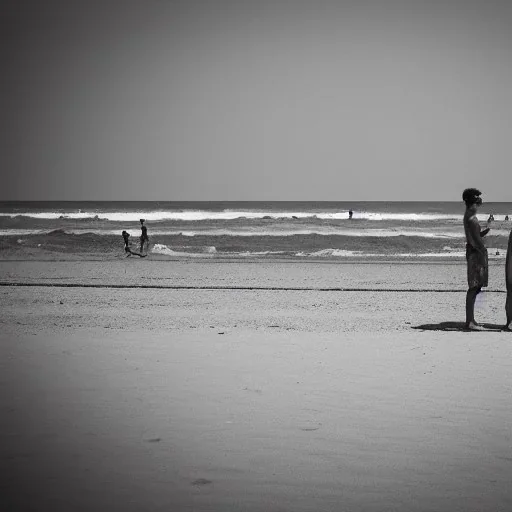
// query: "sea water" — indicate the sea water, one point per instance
point(296, 230)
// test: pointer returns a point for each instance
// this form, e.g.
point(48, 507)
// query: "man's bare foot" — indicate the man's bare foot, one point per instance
point(473, 326)
point(508, 327)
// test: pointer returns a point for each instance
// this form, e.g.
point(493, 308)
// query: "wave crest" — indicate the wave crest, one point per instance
point(206, 215)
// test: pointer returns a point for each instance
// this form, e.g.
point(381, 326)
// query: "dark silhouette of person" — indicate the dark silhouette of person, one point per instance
point(491, 218)
point(127, 249)
point(350, 213)
point(476, 254)
point(506, 217)
point(508, 278)
point(143, 235)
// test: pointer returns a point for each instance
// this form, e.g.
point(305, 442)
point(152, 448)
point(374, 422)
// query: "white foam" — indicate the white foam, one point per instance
point(324, 253)
point(454, 233)
point(354, 254)
point(203, 215)
point(406, 255)
point(257, 253)
point(272, 232)
point(164, 249)
point(231, 214)
point(22, 232)
point(324, 231)
point(331, 252)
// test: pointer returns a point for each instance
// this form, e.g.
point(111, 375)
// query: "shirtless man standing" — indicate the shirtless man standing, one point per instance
point(476, 254)
point(144, 239)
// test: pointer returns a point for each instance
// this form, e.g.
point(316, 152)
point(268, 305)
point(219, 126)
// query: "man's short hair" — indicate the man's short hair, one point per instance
point(470, 195)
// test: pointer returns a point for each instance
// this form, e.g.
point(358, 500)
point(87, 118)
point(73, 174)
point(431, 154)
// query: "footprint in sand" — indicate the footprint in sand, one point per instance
point(310, 428)
point(201, 481)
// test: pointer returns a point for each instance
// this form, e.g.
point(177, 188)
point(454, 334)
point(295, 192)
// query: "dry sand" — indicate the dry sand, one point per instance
point(252, 400)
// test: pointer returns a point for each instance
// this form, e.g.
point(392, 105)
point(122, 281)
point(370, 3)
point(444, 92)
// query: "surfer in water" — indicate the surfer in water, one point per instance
point(476, 254)
point(127, 249)
point(143, 236)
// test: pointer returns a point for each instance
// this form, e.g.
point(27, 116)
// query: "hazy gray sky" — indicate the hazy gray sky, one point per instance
point(256, 100)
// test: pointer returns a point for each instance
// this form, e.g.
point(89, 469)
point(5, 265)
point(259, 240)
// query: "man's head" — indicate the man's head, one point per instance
point(471, 196)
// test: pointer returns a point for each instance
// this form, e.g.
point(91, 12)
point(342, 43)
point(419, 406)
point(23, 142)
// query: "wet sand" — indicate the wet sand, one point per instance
point(257, 400)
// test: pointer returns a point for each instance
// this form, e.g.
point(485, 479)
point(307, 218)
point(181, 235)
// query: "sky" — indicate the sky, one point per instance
point(255, 100)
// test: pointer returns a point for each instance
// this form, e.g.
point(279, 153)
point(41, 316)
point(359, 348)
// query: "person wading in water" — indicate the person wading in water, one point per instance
point(143, 236)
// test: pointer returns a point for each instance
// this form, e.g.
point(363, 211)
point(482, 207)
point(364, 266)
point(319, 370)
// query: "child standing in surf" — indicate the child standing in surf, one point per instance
point(127, 250)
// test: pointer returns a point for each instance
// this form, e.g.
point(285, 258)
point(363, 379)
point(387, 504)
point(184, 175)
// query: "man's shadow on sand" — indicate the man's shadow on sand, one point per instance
point(458, 326)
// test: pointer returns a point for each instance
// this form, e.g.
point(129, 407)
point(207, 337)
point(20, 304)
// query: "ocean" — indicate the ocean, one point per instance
point(249, 230)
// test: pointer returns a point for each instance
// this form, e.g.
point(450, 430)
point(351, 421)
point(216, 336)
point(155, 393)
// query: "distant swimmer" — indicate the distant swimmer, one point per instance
point(506, 217)
point(350, 213)
point(143, 236)
point(476, 254)
point(127, 249)
point(491, 218)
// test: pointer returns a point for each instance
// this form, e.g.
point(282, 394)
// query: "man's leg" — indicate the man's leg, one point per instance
point(508, 310)
point(470, 307)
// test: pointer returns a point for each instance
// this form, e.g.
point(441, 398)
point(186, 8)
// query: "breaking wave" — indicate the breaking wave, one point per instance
point(206, 215)
point(456, 233)
point(204, 252)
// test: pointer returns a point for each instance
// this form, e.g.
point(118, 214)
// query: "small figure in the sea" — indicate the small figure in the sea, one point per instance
point(476, 253)
point(508, 279)
point(506, 217)
point(491, 218)
point(350, 213)
point(143, 235)
point(127, 249)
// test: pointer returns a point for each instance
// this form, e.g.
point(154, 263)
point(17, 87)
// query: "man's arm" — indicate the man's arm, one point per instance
point(484, 232)
point(474, 228)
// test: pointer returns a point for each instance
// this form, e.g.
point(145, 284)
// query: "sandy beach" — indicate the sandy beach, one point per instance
point(250, 386)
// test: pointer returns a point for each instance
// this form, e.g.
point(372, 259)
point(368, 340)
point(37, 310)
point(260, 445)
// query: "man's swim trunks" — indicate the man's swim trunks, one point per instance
point(478, 267)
